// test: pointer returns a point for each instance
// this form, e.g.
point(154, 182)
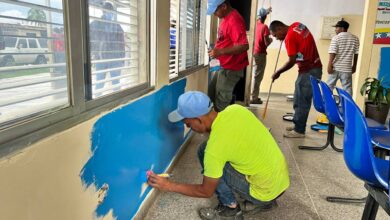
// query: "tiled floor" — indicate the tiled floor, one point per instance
point(313, 175)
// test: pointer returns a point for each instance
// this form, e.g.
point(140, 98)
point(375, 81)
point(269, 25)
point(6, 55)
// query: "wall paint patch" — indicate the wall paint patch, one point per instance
point(126, 143)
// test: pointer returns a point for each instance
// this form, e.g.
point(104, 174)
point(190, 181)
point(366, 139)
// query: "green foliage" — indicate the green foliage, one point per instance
point(36, 15)
point(375, 92)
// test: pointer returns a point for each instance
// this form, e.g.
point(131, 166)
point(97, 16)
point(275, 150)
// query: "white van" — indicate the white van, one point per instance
point(23, 50)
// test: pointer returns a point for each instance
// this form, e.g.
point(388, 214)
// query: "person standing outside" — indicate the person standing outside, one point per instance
point(231, 51)
point(262, 40)
point(343, 54)
point(240, 156)
point(107, 44)
point(301, 50)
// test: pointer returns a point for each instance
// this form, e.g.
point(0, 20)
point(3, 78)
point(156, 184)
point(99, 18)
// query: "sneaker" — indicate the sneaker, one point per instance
point(256, 101)
point(221, 212)
point(250, 208)
point(290, 128)
point(293, 134)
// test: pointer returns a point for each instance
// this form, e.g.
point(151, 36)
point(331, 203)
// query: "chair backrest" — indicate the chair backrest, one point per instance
point(358, 149)
point(331, 108)
point(317, 95)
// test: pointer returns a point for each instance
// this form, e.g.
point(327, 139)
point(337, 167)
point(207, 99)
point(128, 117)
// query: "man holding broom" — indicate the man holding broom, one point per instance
point(301, 50)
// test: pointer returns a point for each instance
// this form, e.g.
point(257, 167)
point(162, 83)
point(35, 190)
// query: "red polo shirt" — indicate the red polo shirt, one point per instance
point(300, 43)
point(232, 32)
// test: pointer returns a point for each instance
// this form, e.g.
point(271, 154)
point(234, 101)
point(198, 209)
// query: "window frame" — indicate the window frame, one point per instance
point(24, 132)
point(196, 44)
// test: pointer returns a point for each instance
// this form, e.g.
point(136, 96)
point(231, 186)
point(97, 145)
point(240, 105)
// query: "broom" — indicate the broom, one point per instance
point(270, 87)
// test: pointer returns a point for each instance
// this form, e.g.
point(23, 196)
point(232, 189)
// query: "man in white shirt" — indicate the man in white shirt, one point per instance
point(343, 55)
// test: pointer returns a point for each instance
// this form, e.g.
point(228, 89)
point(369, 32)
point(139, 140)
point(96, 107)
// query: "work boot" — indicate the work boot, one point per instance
point(256, 101)
point(293, 134)
point(221, 212)
point(251, 209)
point(290, 128)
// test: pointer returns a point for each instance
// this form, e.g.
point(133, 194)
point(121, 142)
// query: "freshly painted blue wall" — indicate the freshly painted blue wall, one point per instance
point(129, 141)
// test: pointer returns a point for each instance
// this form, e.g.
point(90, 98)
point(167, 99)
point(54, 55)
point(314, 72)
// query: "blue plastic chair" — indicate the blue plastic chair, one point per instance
point(317, 96)
point(334, 114)
point(319, 105)
point(359, 145)
point(332, 110)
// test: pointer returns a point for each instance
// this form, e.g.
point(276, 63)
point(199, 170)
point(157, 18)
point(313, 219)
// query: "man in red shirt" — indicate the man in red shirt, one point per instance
point(231, 51)
point(262, 40)
point(302, 50)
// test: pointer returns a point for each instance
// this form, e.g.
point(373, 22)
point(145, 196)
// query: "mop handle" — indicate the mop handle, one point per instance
point(270, 87)
point(266, 104)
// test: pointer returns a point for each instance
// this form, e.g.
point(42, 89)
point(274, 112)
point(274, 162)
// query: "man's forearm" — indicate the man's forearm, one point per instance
point(234, 50)
point(193, 190)
point(355, 58)
point(332, 56)
point(288, 65)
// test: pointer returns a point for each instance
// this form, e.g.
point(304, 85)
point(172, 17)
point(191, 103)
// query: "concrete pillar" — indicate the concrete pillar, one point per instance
point(365, 51)
point(251, 38)
point(162, 42)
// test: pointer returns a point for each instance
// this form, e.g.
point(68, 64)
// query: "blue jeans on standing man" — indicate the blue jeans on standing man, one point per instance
point(231, 181)
point(302, 98)
point(113, 73)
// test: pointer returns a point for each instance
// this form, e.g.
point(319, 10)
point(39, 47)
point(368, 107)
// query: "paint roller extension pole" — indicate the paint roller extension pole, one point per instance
point(270, 87)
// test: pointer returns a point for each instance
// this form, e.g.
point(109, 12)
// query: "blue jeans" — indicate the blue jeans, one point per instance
point(345, 78)
point(114, 73)
point(302, 98)
point(231, 181)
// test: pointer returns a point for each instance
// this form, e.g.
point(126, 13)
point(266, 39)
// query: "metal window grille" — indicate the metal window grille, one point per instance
point(115, 47)
point(188, 19)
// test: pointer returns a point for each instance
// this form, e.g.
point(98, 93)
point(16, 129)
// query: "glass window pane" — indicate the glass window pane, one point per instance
point(33, 75)
point(186, 33)
point(173, 55)
point(117, 43)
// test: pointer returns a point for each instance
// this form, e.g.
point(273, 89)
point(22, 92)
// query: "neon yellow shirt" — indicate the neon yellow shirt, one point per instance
point(239, 138)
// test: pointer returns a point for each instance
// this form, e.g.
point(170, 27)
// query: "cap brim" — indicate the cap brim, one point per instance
point(175, 117)
point(211, 9)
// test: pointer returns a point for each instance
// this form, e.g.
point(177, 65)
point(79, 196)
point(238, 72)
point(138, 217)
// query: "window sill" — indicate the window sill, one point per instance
point(18, 137)
point(187, 72)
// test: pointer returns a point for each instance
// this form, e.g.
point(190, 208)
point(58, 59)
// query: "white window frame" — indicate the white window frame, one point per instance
point(198, 61)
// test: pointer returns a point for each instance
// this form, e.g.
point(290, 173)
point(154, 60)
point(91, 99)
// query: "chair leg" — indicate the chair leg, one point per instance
point(345, 200)
point(329, 141)
point(370, 209)
point(331, 131)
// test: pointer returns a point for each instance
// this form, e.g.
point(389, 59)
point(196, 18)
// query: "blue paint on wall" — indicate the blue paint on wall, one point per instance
point(384, 67)
point(126, 142)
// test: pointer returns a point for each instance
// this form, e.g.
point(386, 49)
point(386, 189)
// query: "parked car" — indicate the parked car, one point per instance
point(23, 50)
